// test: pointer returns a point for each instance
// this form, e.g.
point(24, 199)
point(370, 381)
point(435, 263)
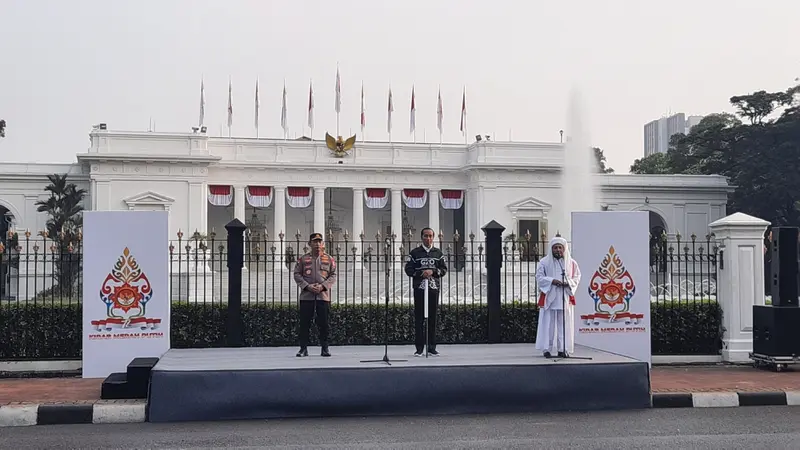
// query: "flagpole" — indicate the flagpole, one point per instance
point(363, 118)
point(390, 113)
point(230, 106)
point(202, 101)
point(311, 108)
point(257, 107)
point(389, 110)
point(464, 114)
point(338, 98)
point(283, 113)
point(440, 116)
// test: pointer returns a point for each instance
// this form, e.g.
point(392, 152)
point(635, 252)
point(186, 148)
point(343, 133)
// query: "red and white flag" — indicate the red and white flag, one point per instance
point(439, 112)
point(363, 112)
point(338, 92)
point(390, 109)
point(413, 110)
point(464, 112)
point(310, 106)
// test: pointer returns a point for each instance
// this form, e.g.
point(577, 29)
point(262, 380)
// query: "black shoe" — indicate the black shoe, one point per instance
point(418, 353)
point(433, 352)
point(325, 351)
point(303, 352)
point(547, 355)
point(562, 355)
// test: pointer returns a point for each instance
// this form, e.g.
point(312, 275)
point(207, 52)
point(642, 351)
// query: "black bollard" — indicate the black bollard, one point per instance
point(235, 334)
point(494, 261)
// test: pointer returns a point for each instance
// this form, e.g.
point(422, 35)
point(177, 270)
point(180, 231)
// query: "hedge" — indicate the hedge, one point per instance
point(44, 331)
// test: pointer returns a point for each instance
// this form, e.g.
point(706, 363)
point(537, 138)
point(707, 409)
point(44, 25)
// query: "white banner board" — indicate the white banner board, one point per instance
point(126, 296)
point(612, 305)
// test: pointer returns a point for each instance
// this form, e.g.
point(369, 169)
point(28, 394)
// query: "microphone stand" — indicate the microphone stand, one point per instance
point(385, 358)
point(564, 316)
point(426, 286)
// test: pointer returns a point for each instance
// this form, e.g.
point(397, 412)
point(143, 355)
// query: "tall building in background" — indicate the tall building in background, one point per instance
point(658, 132)
point(691, 121)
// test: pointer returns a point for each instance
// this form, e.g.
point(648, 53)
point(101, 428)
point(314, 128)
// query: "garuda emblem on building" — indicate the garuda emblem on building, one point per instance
point(338, 146)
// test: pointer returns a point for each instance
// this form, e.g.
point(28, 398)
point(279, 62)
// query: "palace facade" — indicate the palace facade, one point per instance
point(298, 186)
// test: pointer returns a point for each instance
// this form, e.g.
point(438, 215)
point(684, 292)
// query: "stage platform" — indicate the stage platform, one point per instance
point(265, 383)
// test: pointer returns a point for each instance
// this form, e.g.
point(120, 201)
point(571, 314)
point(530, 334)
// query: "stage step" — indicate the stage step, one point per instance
point(132, 384)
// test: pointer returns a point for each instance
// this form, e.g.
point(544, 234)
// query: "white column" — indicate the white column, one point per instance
point(279, 226)
point(204, 210)
point(93, 194)
point(198, 198)
point(397, 214)
point(358, 220)
point(467, 216)
point(740, 280)
point(239, 202)
point(433, 212)
point(479, 218)
point(319, 212)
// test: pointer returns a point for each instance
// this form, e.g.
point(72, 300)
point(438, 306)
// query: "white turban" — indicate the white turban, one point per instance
point(567, 257)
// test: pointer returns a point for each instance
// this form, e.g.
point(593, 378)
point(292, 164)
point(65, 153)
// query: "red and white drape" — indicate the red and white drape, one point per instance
point(259, 196)
point(376, 198)
point(298, 197)
point(415, 198)
point(451, 199)
point(220, 195)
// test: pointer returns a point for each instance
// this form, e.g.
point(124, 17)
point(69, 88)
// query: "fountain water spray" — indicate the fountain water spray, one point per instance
point(579, 190)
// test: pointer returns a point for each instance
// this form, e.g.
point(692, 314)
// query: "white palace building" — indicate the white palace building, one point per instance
point(284, 186)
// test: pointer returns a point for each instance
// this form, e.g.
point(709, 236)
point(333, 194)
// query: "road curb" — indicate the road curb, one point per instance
point(724, 399)
point(64, 414)
point(134, 411)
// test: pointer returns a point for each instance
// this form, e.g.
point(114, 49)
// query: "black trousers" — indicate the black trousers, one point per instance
point(419, 318)
point(307, 308)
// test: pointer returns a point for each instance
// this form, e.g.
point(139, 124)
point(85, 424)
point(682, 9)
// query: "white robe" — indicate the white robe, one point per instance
point(551, 329)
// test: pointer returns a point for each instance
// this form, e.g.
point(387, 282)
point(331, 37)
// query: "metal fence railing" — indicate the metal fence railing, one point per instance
point(37, 270)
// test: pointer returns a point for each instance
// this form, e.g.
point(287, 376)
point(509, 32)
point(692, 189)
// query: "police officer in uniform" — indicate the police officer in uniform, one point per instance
point(425, 262)
point(315, 274)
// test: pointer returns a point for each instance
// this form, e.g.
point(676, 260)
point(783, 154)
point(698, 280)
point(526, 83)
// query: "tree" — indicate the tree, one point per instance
point(760, 158)
point(758, 105)
point(601, 161)
point(64, 209)
point(2, 128)
point(655, 164)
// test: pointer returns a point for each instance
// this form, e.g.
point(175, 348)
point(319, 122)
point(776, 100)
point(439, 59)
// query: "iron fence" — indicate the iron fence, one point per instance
point(199, 270)
point(683, 270)
point(38, 270)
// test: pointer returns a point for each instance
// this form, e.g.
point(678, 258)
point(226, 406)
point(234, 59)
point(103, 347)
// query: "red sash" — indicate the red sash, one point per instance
point(542, 297)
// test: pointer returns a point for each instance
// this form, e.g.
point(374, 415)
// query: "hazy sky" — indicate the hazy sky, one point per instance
point(69, 64)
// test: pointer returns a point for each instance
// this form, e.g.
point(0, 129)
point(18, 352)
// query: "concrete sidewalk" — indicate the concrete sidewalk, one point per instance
point(32, 401)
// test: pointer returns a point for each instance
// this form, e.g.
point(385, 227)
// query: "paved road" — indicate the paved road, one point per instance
point(722, 428)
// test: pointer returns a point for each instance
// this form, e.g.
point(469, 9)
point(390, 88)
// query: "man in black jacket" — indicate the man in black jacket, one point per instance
point(425, 262)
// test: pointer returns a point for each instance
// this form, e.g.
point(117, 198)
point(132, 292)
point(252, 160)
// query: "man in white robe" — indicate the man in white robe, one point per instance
point(558, 276)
